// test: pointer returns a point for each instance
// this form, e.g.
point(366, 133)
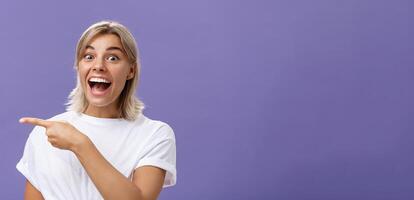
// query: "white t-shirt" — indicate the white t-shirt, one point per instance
point(127, 145)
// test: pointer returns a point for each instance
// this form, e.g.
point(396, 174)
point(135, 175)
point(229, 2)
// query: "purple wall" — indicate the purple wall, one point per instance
point(268, 99)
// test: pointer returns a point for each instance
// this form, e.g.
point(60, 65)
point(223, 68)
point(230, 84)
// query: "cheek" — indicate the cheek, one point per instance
point(120, 77)
point(82, 75)
point(120, 84)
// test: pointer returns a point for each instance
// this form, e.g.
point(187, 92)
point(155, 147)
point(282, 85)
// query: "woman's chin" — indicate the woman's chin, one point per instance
point(99, 102)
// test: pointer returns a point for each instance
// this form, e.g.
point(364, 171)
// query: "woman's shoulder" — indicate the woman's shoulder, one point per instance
point(159, 128)
point(154, 123)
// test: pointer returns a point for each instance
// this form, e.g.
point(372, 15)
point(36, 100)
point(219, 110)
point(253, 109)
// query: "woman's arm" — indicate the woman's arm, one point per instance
point(150, 179)
point(111, 183)
point(31, 193)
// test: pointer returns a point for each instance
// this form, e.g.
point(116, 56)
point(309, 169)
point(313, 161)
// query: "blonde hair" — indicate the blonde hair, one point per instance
point(129, 105)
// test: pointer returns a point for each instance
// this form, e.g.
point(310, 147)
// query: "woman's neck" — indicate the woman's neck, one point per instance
point(102, 112)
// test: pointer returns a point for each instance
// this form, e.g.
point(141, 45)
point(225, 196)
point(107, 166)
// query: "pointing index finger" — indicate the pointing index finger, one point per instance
point(35, 121)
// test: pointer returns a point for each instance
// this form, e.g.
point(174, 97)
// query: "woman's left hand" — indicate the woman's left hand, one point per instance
point(60, 134)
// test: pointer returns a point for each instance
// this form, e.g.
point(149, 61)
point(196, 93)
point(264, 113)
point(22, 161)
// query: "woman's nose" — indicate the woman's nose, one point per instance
point(99, 65)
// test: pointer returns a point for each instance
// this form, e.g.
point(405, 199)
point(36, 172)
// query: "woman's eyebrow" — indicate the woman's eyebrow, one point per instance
point(115, 48)
point(108, 49)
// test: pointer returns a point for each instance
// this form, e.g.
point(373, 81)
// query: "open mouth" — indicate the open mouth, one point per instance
point(99, 85)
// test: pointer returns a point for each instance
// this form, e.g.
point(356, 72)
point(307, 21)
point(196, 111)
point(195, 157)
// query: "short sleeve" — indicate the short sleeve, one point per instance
point(160, 151)
point(26, 163)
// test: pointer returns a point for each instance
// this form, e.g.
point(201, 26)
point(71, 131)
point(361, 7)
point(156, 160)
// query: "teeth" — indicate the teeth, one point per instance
point(99, 80)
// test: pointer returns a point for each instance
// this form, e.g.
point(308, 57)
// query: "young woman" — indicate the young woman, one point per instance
point(103, 147)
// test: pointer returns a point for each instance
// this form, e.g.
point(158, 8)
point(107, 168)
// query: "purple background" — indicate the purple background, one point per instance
point(268, 99)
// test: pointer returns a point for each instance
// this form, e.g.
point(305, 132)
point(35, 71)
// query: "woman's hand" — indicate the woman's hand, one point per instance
point(60, 134)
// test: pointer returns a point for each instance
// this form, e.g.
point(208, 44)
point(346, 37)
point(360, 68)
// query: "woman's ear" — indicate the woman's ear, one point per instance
point(131, 72)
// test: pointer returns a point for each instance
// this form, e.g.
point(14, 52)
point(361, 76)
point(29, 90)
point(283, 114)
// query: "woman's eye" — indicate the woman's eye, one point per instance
point(88, 57)
point(113, 58)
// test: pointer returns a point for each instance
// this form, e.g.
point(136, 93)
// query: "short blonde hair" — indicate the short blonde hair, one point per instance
point(130, 106)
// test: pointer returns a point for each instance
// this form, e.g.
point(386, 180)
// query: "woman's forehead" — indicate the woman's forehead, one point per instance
point(104, 42)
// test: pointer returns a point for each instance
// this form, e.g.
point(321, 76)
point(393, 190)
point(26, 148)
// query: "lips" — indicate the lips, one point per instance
point(99, 86)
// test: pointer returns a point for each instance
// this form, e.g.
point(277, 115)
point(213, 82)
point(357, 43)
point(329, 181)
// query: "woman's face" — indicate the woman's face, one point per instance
point(103, 70)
